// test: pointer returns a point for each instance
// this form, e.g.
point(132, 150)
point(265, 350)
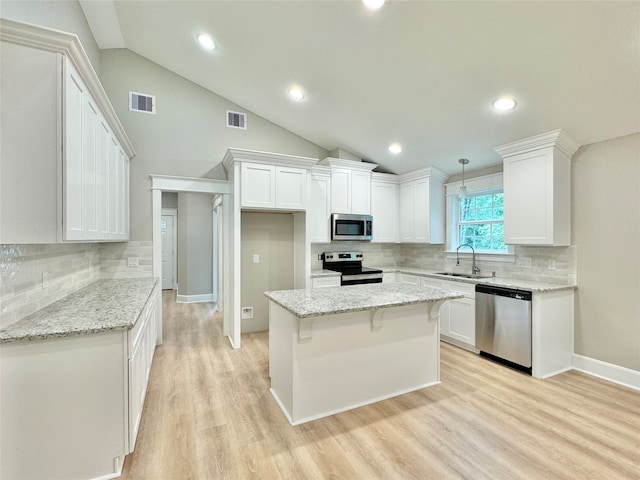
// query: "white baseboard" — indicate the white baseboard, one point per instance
point(204, 297)
point(607, 371)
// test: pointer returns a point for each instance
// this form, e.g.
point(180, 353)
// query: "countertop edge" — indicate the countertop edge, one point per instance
point(30, 334)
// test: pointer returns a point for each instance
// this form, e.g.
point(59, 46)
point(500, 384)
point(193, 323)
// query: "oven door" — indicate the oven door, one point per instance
point(351, 227)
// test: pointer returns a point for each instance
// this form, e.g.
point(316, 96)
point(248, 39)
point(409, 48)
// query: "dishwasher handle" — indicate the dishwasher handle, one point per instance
point(504, 292)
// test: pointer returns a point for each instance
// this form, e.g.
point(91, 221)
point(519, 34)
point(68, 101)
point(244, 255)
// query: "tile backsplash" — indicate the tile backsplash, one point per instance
point(547, 264)
point(34, 276)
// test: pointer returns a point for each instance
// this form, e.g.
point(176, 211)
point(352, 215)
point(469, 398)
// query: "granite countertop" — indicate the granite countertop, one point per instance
point(325, 273)
point(106, 305)
point(532, 286)
point(332, 300)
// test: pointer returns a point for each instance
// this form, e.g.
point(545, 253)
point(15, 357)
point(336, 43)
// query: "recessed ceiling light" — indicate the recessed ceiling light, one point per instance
point(296, 93)
point(395, 148)
point(373, 4)
point(504, 103)
point(206, 41)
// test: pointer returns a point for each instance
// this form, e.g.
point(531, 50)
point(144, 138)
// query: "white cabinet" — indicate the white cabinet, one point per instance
point(537, 189)
point(273, 187)
point(384, 207)
point(461, 325)
point(56, 122)
point(321, 282)
point(389, 277)
point(422, 206)
point(79, 397)
point(142, 344)
point(350, 185)
point(319, 206)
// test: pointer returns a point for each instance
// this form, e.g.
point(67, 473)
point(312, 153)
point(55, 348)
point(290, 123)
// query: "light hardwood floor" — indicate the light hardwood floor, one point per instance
point(209, 415)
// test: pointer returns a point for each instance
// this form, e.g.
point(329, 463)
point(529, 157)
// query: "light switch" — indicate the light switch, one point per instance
point(256, 258)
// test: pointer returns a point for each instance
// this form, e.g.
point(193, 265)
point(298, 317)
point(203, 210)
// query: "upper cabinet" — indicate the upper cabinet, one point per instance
point(319, 211)
point(64, 155)
point(422, 206)
point(269, 181)
point(350, 185)
point(384, 207)
point(537, 189)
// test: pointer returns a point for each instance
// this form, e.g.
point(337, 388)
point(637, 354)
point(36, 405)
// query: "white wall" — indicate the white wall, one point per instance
point(188, 136)
point(65, 15)
point(606, 230)
point(269, 235)
point(195, 240)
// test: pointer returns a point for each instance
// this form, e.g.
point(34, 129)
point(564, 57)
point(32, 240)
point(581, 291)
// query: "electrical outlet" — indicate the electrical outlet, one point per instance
point(523, 262)
point(132, 261)
point(45, 280)
point(247, 312)
point(256, 258)
point(319, 256)
point(552, 264)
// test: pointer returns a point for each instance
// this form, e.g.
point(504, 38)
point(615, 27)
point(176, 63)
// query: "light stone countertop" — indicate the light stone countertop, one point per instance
point(106, 305)
point(354, 298)
point(325, 273)
point(529, 285)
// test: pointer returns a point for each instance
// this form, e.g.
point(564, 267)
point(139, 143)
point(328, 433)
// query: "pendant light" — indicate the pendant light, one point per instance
point(463, 189)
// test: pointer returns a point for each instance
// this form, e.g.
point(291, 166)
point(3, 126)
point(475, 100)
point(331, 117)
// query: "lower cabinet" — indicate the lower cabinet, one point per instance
point(71, 406)
point(320, 282)
point(457, 316)
point(142, 345)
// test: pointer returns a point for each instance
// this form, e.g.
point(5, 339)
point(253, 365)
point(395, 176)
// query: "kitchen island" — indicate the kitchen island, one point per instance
point(338, 348)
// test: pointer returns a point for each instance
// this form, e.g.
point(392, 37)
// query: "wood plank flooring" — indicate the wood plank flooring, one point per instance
point(209, 415)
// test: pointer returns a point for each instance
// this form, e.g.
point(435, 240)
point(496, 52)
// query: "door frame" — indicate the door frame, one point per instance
point(172, 212)
point(168, 183)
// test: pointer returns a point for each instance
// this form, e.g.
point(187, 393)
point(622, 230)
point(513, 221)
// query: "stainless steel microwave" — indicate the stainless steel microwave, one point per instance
point(351, 227)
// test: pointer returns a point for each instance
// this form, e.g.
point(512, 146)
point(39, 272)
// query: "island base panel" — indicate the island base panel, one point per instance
point(344, 364)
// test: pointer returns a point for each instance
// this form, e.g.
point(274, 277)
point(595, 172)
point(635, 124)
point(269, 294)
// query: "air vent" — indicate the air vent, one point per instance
point(141, 102)
point(236, 120)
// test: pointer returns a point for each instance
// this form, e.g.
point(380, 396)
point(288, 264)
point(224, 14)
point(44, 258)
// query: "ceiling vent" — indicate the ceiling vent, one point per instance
point(141, 102)
point(236, 120)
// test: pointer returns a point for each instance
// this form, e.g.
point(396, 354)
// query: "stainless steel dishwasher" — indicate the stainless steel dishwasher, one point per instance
point(503, 324)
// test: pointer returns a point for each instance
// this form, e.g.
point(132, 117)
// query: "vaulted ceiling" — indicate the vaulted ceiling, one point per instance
point(419, 73)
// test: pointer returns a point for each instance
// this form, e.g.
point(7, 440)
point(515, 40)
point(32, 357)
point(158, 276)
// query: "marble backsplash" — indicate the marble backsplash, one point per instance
point(34, 276)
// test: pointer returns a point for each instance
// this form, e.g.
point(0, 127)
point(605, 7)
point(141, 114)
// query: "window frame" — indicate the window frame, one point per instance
point(483, 185)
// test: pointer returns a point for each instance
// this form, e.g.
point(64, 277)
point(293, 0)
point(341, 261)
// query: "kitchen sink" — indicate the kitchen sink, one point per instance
point(463, 275)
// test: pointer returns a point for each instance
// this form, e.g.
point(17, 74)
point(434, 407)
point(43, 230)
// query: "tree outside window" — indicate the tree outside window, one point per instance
point(481, 222)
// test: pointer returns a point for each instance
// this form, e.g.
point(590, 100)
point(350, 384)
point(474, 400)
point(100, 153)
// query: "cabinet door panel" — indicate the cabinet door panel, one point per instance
point(291, 188)
point(258, 186)
point(360, 192)
point(73, 178)
point(384, 208)
point(407, 211)
point(90, 139)
point(113, 187)
point(319, 209)
point(462, 326)
point(102, 180)
point(528, 212)
point(421, 210)
point(340, 190)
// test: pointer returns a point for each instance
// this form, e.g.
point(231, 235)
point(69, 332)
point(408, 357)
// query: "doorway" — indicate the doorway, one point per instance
point(169, 232)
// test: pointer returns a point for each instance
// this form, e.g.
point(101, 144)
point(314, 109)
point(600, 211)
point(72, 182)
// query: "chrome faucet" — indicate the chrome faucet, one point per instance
point(475, 270)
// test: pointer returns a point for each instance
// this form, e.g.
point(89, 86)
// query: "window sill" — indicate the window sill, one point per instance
point(484, 256)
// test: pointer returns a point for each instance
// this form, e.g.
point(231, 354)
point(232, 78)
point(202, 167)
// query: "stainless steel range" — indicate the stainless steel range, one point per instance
point(349, 264)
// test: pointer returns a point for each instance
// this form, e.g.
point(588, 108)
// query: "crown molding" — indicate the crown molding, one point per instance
point(556, 138)
point(280, 159)
point(68, 44)
point(352, 164)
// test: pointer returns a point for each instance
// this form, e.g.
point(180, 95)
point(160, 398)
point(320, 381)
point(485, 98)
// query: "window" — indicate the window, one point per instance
point(480, 222)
